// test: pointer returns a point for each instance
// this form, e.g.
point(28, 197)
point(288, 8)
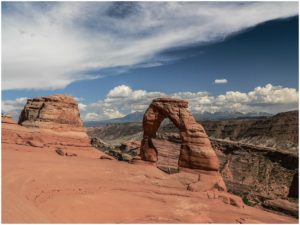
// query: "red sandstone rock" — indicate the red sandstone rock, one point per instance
point(60, 152)
point(282, 205)
point(70, 154)
point(47, 121)
point(106, 157)
point(34, 143)
point(41, 138)
point(41, 187)
point(167, 152)
point(227, 198)
point(208, 181)
point(196, 150)
point(7, 119)
point(59, 112)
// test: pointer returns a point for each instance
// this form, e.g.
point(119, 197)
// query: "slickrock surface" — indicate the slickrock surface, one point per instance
point(59, 112)
point(254, 172)
point(19, 135)
point(196, 151)
point(40, 186)
point(7, 119)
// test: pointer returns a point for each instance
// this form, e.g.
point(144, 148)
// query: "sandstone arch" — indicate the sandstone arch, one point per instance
point(196, 151)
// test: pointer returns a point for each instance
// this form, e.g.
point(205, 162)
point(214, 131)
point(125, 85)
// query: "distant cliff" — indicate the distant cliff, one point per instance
point(279, 131)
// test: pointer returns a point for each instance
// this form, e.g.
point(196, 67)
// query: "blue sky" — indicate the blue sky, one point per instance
point(116, 57)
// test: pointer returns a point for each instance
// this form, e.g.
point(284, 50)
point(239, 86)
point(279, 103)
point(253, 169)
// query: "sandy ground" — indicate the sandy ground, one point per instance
point(40, 186)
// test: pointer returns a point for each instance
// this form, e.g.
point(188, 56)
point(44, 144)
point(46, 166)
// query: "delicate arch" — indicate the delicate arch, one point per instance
point(196, 151)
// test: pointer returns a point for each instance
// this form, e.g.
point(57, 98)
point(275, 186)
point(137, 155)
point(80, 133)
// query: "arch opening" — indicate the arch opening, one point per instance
point(195, 148)
point(168, 145)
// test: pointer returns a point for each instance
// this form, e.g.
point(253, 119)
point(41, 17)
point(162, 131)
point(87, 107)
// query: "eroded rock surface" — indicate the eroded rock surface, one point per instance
point(255, 173)
point(52, 121)
point(59, 112)
point(192, 154)
point(279, 131)
point(196, 151)
point(42, 138)
point(39, 186)
point(7, 119)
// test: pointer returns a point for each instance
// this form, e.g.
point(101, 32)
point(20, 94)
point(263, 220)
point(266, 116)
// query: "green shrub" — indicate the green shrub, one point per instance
point(246, 201)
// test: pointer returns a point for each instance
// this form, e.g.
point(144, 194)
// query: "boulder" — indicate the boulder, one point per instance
point(36, 143)
point(136, 158)
point(70, 154)
point(106, 157)
point(115, 153)
point(60, 152)
point(282, 205)
point(101, 145)
point(125, 157)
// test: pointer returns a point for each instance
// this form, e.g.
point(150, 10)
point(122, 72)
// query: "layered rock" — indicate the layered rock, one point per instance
point(58, 112)
point(168, 154)
point(14, 134)
point(257, 173)
point(196, 151)
point(279, 131)
point(52, 121)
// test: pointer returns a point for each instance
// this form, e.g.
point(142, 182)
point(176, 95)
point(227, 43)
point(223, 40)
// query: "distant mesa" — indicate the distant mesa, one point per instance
point(59, 112)
point(137, 117)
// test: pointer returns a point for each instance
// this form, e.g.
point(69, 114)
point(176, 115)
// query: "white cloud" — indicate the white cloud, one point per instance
point(13, 107)
point(221, 81)
point(81, 106)
point(273, 95)
point(112, 113)
point(123, 100)
point(50, 45)
point(91, 116)
point(121, 91)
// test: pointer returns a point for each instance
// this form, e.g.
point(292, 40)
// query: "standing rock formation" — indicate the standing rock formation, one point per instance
point(59, 112)
point(47, 122)
point(196, 151)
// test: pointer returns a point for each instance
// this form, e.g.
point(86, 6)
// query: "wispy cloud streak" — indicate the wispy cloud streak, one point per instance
point(49, 45)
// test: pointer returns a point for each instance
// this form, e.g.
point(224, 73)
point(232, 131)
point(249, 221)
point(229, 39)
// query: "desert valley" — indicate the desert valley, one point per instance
point(159, 112)
point(56, 171)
